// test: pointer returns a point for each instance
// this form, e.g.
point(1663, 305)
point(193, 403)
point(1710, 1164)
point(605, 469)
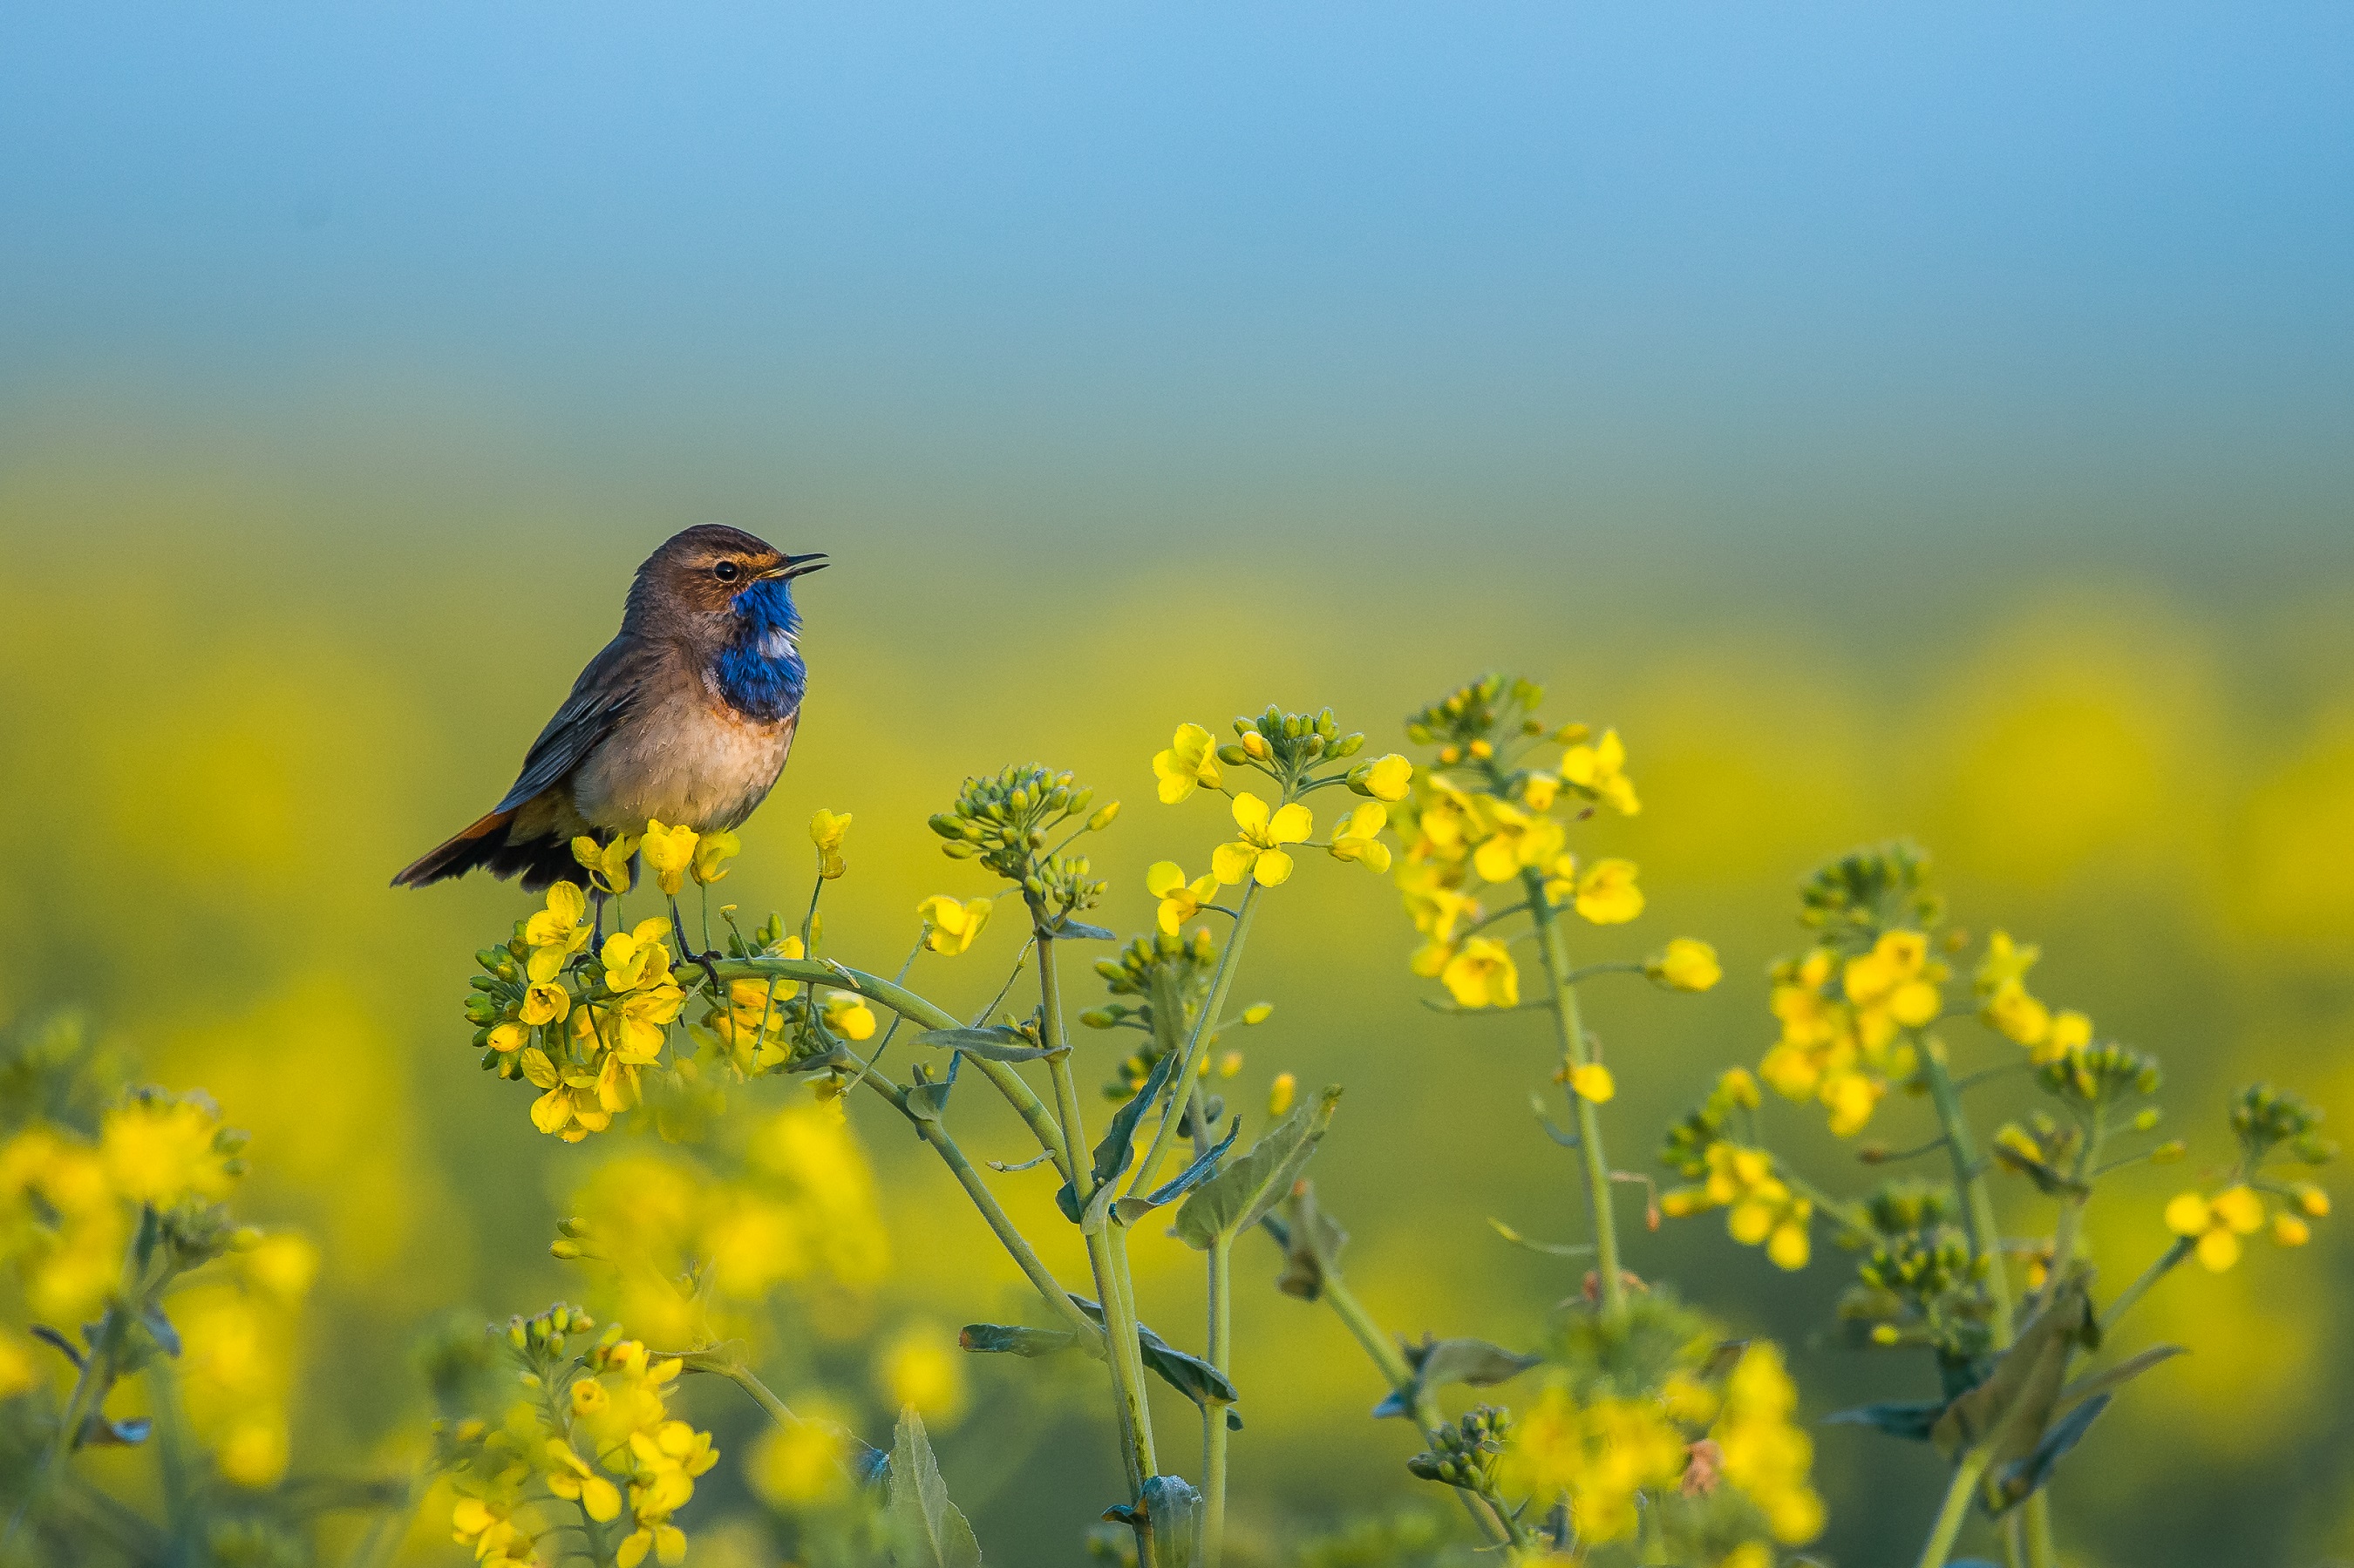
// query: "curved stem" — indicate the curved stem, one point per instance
point(1554, 948)
point(2157, 1271)
point(1970, 1182)
point(1213, 1417)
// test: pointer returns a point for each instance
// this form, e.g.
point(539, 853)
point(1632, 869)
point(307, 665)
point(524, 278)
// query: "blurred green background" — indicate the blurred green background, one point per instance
point(1892, 424)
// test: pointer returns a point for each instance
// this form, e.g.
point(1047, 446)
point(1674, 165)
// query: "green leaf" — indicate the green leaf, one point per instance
point(1192, 1376)
point(1234, 1199)
point(2090, 1384)
point(927, 1099)
point(926, 1530)
point(1911, 1419)
point(2024, 1477)
point(1015, 1340)
point(1117, 1148)
point(1205, 1166)
point(1474, 1362)
point(996, 1042)
point(1068, 930)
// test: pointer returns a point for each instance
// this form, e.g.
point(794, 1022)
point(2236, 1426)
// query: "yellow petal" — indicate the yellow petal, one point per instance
point(1272, 868)
point(2218, 1250)
point(1231, 863)
point(1250, 812)
point(1162, 876)
point(1292, 824)
point(2186, 1214)
point(1593, 1082)
point(2240, 1208)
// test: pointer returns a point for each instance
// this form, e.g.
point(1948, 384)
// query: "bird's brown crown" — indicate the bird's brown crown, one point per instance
point(701, 570)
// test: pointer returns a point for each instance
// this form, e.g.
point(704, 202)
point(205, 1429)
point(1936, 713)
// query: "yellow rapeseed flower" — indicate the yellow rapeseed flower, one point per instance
point(1482, 975)
point(1388, 778)
point(2216, 1223)
point(1279, 1093)
point(712, 853)
point(919, 1370)
point(1514, 839)
point(544, 1004)
point(2006, 963)
point(1539, 791)
point(1258, 854)
point(570, 1477)
point(1687, 965)
point(951, 925)
point(802, 1465)
point(1359, 838)
point(607, 865)
point(642, 1021)
point(1593, 1082)
point(1600, 770)
point(637, 956)
point(1894, 984)
point(2290, 1231)
point(847, 1014)
point(1191, 762)
point(827, 830)
point(159, 1150)
point(1606, 893)
point(559, 931)
point(669, 852)
point(1180, 900)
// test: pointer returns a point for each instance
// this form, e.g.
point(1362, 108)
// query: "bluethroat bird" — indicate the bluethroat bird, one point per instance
point(686, 716)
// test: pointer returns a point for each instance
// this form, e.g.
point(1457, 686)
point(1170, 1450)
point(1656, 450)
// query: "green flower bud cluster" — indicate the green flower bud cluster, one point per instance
point(1856, 897)
point(2040, 1149)
point(2266, 1117)
point(1925, 1268)
point(541, 1341)
point(1285, 746)
point(2099, 1074)
point(1464, 1453)
point(1489, 708)
point(1063, 886)
point(1685, 1150)
point(1161, 964)
point(1910, 1209)
point(1003, 821)
point(495, 996)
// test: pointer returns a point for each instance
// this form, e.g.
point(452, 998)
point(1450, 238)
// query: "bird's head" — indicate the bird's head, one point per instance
point(717, 571)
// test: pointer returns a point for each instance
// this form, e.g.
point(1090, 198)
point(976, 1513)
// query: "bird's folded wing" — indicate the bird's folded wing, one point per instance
point(616, 680)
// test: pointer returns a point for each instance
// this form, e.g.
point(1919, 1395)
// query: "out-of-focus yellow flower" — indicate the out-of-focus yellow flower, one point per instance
point(1600, 770)
point(2312, 1200)
point(1482, 974)
point(1259, 854)
point(1539, 791)
point(1894, 984)
point(1435, 904)
point(1593, 1082)
point(2290, 1231)
point(1763, 1452)
point(159, 1150)
point(282, 1266)
point(2070, 1032)
point(18, 1373)
point(491, 1532)
point(2216, 1223)
point(559, 931)
point(1600, 1456)
point(1180, 900)
point(1358, 837)
point(669, 852)
point(950, 925)
point(1687, 965)
point(827, 830)
point(569, 1477)
point(1191, 762)
point(802, 1465)
point(1606, 893)
point(1385, 779)
point(1762, 1209)
point(2006, 963)
point(2018, 1015)
point(919, 1370)
point(637, 956)
point(847, 1014)
point(1514, 840)
point(1279, 1093)
point(607, 865)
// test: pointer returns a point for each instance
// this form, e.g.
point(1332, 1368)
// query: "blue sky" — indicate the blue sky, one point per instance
point(2096, 254)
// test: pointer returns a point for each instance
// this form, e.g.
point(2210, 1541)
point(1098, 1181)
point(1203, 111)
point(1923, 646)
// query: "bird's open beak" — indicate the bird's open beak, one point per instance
point(799, 566)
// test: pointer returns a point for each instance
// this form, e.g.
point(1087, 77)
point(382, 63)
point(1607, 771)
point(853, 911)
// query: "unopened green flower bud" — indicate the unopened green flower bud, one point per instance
point(1103, 819)
point(481, 1010)
point(1347, 746)
point(2147, 1119)
point(567, 1250)
point(2166, 1153)
point(1259, 1012)
point(1098, 1018)
point(1233, 755)
point(947, 826)
point(245, 1239)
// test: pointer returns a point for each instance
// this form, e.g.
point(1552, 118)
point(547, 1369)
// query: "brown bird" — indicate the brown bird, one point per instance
point(686, 718)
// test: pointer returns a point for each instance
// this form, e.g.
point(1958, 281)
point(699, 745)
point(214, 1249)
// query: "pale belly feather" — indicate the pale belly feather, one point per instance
point(705, 766)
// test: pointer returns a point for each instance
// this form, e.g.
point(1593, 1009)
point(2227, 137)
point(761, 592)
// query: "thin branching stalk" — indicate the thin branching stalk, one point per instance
point(1212, 1007)
point(2035, 1514)
point(1213, 1417)
point(1554, 948)
point(1959, 1495)
point(1970, 1182)
point(2158, 1269)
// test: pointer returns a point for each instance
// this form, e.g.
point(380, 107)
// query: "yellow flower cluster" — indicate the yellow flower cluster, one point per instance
point(2216, 1225)
point(1842, 1024)
point(619, 1407)
point(1763, 1451)
point(240, 1331)
point(2006, 1005)
point(1761, 1208)
point(1598, 1454)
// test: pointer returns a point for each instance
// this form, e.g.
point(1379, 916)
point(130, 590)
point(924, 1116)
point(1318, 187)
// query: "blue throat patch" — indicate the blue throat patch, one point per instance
point(758, 683)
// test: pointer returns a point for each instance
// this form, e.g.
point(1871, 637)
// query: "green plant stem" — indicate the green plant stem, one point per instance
point(92, 1380)
point(2035, 1514)
point(1555, 947)
point(1212, 1007)
point(1969, 1181)
point(1112, 1286)
point(743, 1377)
point(1959, 1496)
point(2158, 1270)
point(1391, 1363)
point(1213, 1417)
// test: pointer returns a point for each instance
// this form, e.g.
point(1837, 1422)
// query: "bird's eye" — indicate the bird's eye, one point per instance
point(726, 571)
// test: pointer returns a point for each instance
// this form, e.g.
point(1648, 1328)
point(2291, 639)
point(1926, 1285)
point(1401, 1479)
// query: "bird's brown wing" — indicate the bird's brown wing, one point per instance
point(614, 681)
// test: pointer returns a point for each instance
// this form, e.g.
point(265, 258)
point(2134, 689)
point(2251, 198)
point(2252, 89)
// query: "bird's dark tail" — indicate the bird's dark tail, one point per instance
point(486, 847)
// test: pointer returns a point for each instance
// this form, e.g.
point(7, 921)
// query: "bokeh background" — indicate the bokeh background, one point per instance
point(1894, 422)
